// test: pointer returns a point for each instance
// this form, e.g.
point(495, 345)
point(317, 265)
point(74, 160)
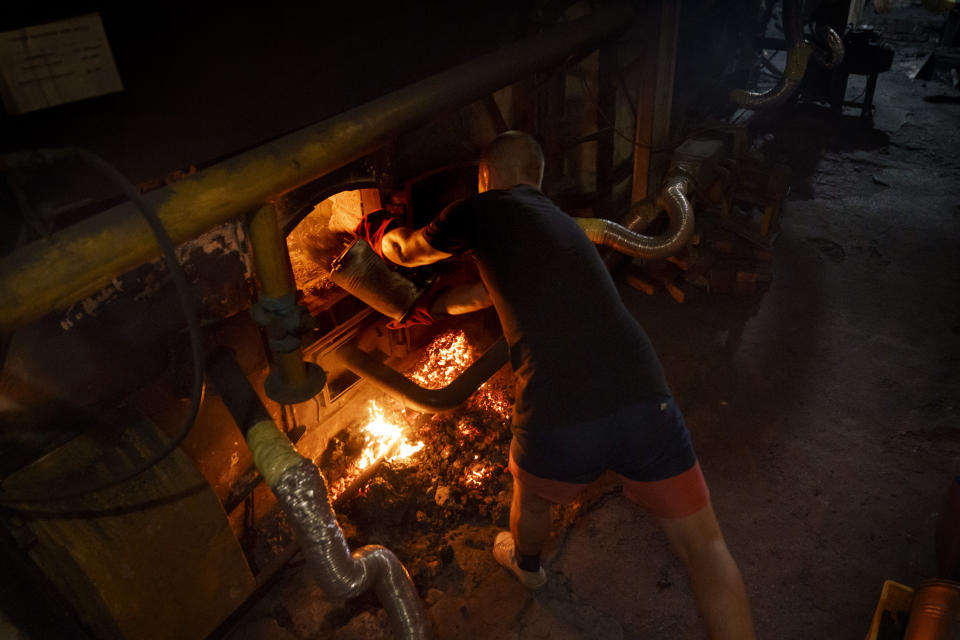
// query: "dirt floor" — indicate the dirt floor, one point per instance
point(824, 410)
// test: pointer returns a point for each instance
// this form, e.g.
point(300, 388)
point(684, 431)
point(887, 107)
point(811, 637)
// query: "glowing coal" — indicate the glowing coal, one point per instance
point(444, 359)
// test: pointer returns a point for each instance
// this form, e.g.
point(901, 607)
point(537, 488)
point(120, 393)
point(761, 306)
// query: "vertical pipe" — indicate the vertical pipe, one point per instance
point(607, 112)
point(655, 102)
point(270, 257)
point(271, 261)
point(551, 100)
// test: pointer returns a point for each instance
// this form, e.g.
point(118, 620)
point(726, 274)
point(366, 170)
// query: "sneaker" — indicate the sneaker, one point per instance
point(504, 553)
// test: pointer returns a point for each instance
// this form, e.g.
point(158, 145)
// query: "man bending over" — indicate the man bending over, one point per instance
point(591, 393)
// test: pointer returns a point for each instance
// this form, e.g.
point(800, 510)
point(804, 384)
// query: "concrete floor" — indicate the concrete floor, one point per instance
point(824, 412)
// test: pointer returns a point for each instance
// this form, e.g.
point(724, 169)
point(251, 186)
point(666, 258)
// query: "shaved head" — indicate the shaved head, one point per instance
point(512, 158)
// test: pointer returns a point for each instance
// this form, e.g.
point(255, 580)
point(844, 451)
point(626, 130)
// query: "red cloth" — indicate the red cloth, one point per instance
point(376, 224)
point(419, 315)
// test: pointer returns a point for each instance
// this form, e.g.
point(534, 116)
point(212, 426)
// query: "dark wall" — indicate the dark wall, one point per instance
point(202, 82)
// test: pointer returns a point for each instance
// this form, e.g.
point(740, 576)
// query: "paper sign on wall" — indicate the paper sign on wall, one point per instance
point(50, 64)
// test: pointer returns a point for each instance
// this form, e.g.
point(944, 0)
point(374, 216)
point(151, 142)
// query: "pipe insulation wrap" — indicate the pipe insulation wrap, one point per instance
point(273, 453)
point(302, 494)
point(673, 199)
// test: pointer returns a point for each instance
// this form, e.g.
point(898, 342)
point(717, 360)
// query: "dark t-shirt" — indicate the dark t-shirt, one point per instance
point(577, 352)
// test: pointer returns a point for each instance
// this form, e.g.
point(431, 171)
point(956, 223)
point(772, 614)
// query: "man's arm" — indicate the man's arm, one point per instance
point(410, 248)
point(463, 298)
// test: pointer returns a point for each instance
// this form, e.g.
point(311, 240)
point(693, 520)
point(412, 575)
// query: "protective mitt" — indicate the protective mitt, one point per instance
point(419, 315)
point(376, 224)
point(422, 312)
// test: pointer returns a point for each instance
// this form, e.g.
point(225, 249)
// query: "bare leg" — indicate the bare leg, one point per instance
point(530, 520)
point(716, 580)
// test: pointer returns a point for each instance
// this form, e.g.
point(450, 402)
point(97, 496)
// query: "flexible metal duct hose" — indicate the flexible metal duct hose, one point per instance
point(796, 68)
point(361, 272)
point(799, 53)
point(835, 44)
point(674, 200)
point(302, 494)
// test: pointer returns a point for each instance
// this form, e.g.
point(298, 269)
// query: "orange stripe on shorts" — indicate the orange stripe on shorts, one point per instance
point(676, 497)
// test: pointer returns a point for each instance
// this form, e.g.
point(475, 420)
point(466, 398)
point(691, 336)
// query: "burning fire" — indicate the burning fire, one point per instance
point(386, 439)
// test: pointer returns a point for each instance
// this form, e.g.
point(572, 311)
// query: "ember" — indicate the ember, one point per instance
point(444, 359)
point(478, 473)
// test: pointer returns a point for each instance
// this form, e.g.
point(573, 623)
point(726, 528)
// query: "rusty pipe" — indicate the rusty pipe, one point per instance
point(271, 259)
point(271, 262)
point(78, 261)
point(291, 380)
point(302, 494)
point(673, 199)
point(413, 395)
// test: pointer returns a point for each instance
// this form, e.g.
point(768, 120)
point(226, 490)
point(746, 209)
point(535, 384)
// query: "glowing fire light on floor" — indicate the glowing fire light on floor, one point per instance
point(446, 358)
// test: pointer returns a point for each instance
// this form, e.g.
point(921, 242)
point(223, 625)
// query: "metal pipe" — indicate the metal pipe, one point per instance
point(302, 494)
point(799, 53)
point(834, 46)
point(413, 395)
point(673, 199)
point(270, 257)
point(271, 261)
point(78, 261)
point(797, 58)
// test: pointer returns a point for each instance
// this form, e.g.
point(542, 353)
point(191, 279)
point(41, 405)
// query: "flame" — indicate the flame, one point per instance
point(384, 438)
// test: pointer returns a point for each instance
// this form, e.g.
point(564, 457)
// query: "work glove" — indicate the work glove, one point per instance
point(376, 224)
point(423, 312)
point(419, 315)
